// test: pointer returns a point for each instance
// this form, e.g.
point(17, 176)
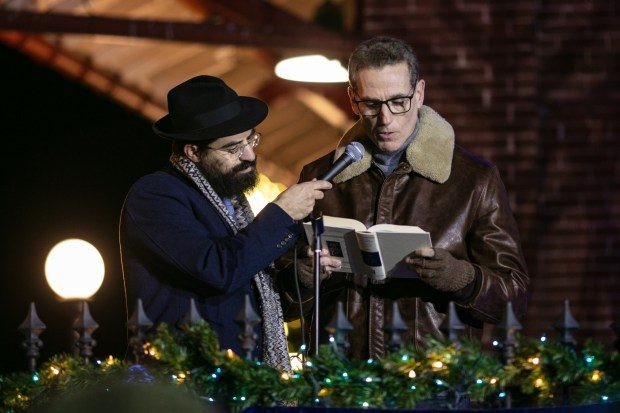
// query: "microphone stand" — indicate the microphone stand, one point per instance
point(317, 228)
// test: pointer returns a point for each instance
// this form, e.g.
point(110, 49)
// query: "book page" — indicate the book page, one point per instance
point(369, 246)
point(396, 228)
point(396, 246)
point(329, 221)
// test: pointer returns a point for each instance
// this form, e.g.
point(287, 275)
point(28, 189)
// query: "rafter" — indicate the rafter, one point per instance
point(213, 31)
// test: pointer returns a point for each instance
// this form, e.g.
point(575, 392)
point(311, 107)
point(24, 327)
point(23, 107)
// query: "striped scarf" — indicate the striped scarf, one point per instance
point(274, 347)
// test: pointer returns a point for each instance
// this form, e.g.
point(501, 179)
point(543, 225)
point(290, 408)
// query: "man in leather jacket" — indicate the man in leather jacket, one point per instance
point(412, 173)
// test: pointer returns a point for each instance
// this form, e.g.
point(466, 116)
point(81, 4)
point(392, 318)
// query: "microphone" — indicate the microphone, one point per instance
point(353, 152)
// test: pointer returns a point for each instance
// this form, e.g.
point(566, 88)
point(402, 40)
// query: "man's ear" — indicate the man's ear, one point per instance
point(191, 152)
point(352, 101)
point(418, 94)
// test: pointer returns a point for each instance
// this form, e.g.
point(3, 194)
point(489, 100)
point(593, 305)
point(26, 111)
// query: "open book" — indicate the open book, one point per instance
point(378, 251)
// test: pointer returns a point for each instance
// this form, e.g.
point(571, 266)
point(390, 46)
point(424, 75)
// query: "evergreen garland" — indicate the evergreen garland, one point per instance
point(440, 375)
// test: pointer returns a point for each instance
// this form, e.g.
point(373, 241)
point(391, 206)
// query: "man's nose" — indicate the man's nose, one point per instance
point(247, 153)
point(385, 115)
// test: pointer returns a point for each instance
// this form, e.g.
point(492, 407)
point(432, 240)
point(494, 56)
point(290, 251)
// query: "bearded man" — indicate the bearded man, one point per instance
point(188, 231)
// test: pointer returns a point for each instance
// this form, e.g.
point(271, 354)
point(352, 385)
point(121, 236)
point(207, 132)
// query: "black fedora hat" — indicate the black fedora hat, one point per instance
point(205, 108)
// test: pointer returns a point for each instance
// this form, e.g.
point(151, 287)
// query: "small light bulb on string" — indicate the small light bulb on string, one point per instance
point(534, 360)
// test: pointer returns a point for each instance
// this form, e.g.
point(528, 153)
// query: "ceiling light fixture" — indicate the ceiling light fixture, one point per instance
point(312, 68)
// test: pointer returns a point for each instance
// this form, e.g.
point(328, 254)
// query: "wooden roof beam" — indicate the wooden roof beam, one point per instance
point(308, 37)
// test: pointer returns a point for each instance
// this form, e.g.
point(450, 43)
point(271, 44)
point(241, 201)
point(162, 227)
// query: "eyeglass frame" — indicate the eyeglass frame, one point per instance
point(252, 141)
point(386, 103)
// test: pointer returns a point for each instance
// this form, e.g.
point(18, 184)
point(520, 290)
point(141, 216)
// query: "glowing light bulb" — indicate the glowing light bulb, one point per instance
point(74, 269)
point(312, 68)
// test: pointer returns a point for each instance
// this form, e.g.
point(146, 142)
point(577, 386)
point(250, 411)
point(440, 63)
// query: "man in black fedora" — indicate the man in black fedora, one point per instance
point(188, 231)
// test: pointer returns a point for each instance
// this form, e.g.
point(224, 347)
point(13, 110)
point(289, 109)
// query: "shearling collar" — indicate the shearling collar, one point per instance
point(430, 153)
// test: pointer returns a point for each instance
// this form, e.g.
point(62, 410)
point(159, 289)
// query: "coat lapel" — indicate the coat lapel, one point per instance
point(430, 153)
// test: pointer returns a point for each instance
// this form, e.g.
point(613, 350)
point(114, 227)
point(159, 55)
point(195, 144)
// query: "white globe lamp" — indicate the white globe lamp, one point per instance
point(74, 269)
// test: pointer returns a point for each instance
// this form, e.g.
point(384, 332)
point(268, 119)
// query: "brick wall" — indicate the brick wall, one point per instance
point(533, 86)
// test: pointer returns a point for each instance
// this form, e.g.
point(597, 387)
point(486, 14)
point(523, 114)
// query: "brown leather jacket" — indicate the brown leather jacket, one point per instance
point(457, 197)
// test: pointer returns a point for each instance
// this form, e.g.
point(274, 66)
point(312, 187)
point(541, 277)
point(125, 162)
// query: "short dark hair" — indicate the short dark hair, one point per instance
point(382, 51)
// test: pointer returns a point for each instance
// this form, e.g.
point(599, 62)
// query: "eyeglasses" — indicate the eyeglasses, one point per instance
point(397, 105)
point(238, 150)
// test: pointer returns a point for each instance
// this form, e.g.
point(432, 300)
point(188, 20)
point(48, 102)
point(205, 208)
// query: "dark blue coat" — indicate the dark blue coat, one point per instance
point(175, 246)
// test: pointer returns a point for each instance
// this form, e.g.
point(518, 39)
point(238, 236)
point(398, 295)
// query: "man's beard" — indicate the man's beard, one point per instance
point(231, 183)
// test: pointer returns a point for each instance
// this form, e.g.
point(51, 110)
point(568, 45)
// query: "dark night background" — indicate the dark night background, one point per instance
point(70, 157)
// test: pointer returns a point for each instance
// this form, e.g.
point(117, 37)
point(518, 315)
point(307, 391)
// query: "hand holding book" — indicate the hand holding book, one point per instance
point(378, 251)
point(439, 269)
point(305, 267)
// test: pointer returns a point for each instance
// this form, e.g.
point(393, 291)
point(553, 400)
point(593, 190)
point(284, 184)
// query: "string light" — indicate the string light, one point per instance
point(285, 376)
point(181, 377)
point(437, 365)
point(539, 382)
point(596, 376)
point(534, 360)
point(412, 374)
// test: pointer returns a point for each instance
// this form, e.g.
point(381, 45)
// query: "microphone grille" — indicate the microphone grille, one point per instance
point(355, 150)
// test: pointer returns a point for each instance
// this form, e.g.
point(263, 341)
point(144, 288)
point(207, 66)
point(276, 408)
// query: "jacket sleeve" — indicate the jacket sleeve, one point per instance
point(184, 236)
point(495, 250)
